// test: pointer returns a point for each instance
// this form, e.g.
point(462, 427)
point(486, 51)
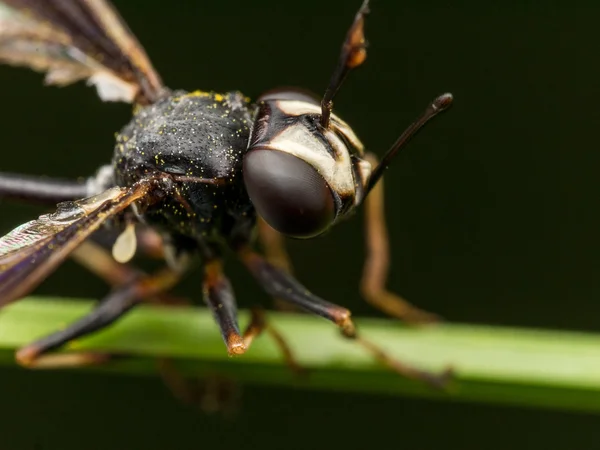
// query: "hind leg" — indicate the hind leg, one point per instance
point(108, 310)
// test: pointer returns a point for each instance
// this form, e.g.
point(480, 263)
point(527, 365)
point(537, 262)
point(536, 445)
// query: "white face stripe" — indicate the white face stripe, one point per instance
point(364, 170)
point(298, 141)
point(298, 108)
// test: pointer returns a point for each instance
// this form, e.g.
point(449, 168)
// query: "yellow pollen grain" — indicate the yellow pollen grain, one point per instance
point(197, 93)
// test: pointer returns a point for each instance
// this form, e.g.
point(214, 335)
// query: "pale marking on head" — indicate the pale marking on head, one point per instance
point(364, 169)
point(298, 108)
point(298, 141)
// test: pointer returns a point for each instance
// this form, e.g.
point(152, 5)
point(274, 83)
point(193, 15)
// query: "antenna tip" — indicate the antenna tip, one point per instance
point(442, 102)
point(364, 8)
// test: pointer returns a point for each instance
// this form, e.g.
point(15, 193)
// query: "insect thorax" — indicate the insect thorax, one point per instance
point(197, 135)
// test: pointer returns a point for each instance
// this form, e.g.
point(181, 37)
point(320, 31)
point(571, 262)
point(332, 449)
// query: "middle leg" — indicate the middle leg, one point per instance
point(278, 283)
point(219, 296)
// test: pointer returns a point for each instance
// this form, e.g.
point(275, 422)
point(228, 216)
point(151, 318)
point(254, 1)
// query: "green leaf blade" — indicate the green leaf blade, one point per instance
point(541, 368)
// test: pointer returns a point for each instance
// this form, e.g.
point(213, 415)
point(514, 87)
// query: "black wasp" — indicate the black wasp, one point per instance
point(193, 174)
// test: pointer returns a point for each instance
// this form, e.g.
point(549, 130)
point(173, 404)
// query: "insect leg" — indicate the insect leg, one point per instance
point(216, 393)
point(41, 189)
point(100, 262)
point(377, 260)
point(151, 243)
point(258, 324)
point(277, 283)
point(219, 296)
point(113, 307)
point(273, 246)
point(213, 393)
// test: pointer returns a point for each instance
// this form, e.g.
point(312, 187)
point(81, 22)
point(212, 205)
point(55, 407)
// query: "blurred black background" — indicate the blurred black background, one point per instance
point(492, 209)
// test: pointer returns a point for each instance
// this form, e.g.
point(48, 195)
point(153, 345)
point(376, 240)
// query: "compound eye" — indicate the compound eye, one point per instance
point(288, 193)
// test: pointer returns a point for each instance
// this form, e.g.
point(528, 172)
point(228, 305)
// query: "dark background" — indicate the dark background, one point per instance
point(492, 210)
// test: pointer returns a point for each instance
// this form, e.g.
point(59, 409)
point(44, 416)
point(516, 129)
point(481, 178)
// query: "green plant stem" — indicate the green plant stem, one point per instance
point(496, 365)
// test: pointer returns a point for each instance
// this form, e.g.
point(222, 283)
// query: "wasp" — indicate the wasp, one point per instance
point(194, 175)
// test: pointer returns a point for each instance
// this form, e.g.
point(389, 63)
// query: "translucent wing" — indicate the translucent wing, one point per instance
point(72, 40)
point(32, 251)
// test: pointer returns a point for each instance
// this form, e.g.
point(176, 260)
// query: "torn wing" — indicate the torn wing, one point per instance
point(33, 250)
point(72, 40)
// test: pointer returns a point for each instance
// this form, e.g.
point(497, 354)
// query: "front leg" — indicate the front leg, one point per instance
point(375, 271)
point(280, 284)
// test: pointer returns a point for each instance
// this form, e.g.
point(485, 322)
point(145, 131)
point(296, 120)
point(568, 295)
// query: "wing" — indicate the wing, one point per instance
point(72, 40)
point(32, 251)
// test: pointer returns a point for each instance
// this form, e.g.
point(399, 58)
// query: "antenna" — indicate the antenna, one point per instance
point(437, 106)
point(353, 54)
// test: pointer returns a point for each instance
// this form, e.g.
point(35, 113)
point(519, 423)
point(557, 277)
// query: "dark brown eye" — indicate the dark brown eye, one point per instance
point(288, 193)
